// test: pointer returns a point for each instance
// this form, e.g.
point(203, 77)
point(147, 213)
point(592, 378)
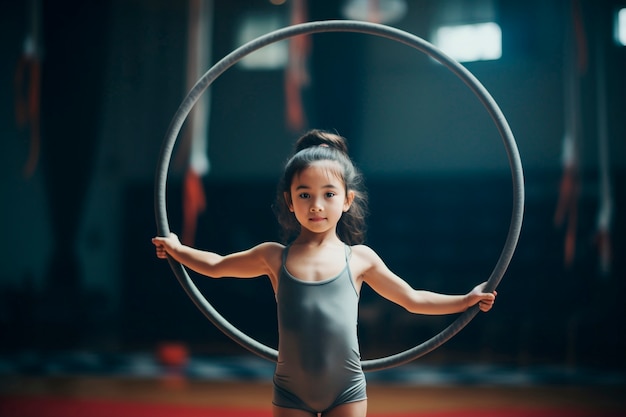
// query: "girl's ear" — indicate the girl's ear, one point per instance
point(349, 200)
point(287, 196)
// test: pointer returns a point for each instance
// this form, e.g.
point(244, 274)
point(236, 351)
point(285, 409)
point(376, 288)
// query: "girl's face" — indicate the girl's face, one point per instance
point(318, 197)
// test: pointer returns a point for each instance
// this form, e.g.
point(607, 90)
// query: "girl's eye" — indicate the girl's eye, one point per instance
point(330, 194)
point(304, 195)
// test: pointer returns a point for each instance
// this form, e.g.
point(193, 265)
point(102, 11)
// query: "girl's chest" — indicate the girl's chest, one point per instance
point(315, 266)
point(314, 270)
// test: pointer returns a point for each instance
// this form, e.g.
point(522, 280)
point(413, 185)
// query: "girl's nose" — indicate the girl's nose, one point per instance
point(316, 206)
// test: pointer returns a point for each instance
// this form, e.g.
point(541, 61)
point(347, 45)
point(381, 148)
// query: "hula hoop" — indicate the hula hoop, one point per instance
point(359, 27)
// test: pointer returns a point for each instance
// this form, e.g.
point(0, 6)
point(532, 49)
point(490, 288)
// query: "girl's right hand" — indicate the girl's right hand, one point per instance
point(165, 245)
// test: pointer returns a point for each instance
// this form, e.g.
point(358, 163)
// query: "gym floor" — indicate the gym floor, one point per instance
point(91, 385)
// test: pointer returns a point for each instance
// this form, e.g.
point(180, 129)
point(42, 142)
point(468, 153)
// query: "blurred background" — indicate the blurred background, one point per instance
point(89, 89)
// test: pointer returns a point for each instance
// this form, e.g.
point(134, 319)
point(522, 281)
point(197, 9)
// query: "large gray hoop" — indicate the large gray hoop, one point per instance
point(342, 26)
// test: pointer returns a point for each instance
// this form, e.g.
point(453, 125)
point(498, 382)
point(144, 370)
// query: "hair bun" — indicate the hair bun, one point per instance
point(317, 137)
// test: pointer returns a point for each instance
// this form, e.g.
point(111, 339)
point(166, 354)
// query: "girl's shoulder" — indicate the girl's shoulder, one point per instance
point(269, 249)
point(365, 253)
point(271, 253)
point(364, 260)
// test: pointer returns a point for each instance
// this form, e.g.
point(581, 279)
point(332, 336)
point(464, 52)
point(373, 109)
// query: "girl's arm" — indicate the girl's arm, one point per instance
point(254, 262)
point(389, 285)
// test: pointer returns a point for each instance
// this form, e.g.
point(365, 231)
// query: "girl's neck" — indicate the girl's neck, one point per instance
point(317, 239)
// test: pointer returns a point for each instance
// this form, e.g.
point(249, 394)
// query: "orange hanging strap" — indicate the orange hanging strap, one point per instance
point(196, 140)
point(194, 203)
point(567, 206)
point(296, 73)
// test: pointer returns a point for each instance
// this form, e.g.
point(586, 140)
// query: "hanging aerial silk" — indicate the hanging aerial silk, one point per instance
point(575, 66)
point(199, 47)
point(27, 88)
point(605, 197)
point(297, 74)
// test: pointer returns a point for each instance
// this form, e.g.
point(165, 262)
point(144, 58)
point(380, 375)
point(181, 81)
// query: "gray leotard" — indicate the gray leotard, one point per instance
point(319, 364)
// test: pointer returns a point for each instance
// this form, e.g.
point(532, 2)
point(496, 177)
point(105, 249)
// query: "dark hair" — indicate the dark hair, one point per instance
point(318, 145)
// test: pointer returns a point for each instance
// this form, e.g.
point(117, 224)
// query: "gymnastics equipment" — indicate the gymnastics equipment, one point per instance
point(374, 29)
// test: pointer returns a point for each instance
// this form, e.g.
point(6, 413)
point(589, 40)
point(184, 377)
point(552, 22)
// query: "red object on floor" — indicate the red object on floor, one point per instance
point(173, 354)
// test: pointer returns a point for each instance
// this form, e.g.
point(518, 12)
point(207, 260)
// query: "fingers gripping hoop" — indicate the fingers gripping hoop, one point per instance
point(358, 27)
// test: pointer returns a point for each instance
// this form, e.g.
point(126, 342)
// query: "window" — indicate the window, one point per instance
point(253, 25)
point(620, 27)
point(471, 42)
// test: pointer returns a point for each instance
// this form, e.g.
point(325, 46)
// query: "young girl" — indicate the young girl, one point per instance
point(317, 279)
